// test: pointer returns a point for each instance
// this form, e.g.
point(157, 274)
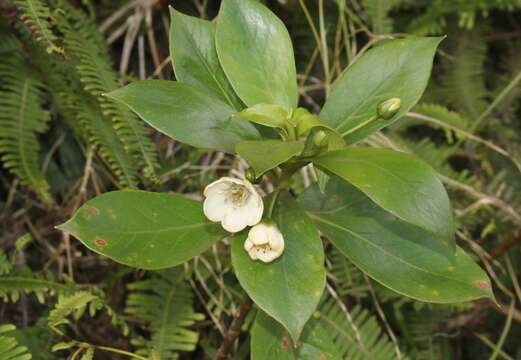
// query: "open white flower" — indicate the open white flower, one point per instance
point(233, 202)
point(265, 242)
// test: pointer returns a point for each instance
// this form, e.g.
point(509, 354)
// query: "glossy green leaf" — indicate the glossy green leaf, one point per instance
point(398, 68)
point(264, 155)
point(290, 287)
point(143, 229)
point(397, 254)
point(269, 340)
point(270, 115)
point(398, 182)
point(256, 53)
point(186, 113)
point(194, 58)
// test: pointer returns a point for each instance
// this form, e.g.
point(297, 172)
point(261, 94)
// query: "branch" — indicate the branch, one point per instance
point(234, 330)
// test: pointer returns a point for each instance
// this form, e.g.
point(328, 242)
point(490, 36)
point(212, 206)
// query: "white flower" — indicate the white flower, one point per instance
point(264, 242)
point(233, 202)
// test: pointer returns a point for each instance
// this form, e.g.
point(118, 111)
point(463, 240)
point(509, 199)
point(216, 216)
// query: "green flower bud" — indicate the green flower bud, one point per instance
point(320, 139)
point(250, 175)
point(388, 108)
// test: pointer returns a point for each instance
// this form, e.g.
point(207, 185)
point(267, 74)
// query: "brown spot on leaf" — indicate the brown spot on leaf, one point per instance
point(100, 242)
point(90, 211)
point(482, 284)
point(285, 342)
point(322, 357)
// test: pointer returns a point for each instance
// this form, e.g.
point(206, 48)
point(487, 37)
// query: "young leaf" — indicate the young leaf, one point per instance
point(194, 58)
point(399, 255)
point(264, 155)
point(270, 115)
point(289, 288)
point(398, 182)
point(397, 69)
point(186, 113)
point(256, 53)
point(143, 229)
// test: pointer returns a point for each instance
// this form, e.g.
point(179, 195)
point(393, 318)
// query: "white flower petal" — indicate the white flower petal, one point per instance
point(214, 207)
point(253, 253)
point(258, 234)
point(267, 256)
point(276, 241)
point(253, 209)
point(217, 186)
point(233, 220)
point(248, 245)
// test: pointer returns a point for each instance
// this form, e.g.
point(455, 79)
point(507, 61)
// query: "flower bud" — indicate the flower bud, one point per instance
point(250, 175)
point(320, 139)
point(388, 108)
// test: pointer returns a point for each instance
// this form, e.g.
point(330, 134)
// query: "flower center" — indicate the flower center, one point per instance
point(238, 194)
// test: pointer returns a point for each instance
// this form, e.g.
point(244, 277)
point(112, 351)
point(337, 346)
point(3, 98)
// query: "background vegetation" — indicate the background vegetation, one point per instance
point(62, 143)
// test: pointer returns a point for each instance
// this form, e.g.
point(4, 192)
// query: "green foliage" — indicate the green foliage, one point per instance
point(22, 119)
point(98, 225)
point(36, 14)
point(98, 78)
point(356, 334)
point(75, 305)
point(9, 348)
point(164, 304)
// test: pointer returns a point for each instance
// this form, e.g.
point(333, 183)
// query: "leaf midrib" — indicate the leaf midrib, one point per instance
point(318, 218)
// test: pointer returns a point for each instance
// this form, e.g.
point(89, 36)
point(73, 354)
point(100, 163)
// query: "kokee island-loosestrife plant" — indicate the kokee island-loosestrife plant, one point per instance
point(385, 210)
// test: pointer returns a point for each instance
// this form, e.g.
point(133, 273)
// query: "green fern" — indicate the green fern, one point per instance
point(98, 77)
point(36, 14)
point(164, 302)
point(74, 304)
point(464, 81)
point(9, 347)
point(21, 120)
point(347, 278)
point(378, 11)
point(358, 338)
point(12, 285)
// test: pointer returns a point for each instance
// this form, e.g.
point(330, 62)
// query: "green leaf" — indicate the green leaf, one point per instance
point(143, 229)
point(194, 58)
point(289, 288)
point(398, 182)
point(399, 255)
point(399, 68)
point(256, 53)
point(185, 113)
point(270, 115)
point(264, 155)
point(269, 340)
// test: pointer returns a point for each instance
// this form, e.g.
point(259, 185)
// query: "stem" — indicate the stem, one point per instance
point(234, 330)
point(361, 125)
point(273, 200)
point(496, 101)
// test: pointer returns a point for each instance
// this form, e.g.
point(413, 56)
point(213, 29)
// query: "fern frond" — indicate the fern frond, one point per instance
point(82, 113)
point(98, 77)
point(36, 14)
point(362, 338)
point(5, 264)
point(74, 304)
point(464, 80)
point(22, 118)
point(9, 347)
point(164, 302)
point(12, 285)
point(378, 11)
point(346, 277)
